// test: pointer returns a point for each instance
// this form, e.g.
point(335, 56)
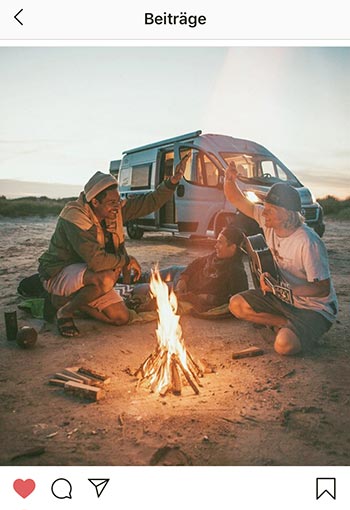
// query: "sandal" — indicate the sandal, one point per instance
point(66, 327)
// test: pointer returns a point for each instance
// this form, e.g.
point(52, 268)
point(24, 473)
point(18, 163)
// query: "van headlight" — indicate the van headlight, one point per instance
point(252, 197)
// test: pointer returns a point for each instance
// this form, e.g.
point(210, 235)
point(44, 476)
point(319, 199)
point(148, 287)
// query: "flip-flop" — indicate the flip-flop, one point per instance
point(66, 327)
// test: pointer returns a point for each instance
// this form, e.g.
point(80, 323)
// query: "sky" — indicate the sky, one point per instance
point(66, 112)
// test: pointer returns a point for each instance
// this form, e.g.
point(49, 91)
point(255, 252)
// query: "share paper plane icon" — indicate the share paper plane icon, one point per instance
point(99, 484)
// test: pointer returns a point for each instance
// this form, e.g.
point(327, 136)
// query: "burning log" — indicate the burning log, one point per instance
point(170, 365)
point(175, 376)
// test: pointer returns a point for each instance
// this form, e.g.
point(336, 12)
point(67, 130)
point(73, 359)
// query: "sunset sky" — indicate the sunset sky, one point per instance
point(66, 112)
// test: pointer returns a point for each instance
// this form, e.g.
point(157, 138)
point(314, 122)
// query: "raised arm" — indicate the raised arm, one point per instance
point(233, 193)
point(154, 200)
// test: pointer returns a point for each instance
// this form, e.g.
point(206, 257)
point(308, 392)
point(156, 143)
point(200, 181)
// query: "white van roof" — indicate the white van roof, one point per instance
point(221, 143)
point(210, 143)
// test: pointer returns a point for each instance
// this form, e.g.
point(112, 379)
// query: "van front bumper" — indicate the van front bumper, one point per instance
point(313, 215)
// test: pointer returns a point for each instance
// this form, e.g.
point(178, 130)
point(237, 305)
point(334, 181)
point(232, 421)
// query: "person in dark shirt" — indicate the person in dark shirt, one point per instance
point(211, 280)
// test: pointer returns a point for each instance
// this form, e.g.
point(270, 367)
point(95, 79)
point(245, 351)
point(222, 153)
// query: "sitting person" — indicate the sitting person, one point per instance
point(302, 261)
point(208, 281)
point(86, 254)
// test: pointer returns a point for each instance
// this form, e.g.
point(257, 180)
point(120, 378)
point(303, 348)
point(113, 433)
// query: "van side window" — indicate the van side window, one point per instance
point(141, 176)
point(200, 169)
point(211, 171)
point(188, 169)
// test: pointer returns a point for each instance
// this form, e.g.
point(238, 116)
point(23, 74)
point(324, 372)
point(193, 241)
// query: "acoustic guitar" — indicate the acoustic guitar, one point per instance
point(261, 261)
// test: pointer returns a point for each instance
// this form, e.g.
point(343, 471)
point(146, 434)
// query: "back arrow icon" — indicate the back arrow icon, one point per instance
point(15, 16)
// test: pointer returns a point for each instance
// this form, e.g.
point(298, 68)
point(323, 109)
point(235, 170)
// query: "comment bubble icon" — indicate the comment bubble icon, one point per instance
point(62, 488)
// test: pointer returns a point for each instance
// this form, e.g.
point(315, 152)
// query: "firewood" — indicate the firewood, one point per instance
point(57, 382)
point(187, 376)
point(95, 382)
point(65, 377)
point(199, 368)
point(193, 371)
point(165, 390)
point(73, 372)
point(84, 390)
point(208, 368)
point(94, 374)
point(175, 377)
point(159, 373)
point(248, 352)
point(140, 372)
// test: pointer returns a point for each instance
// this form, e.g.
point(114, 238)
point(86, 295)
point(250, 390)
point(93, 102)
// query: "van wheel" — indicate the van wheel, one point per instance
point(222, 222)
point(249, 226)
point(319, 229)
point(134, 232)
point(239, 220)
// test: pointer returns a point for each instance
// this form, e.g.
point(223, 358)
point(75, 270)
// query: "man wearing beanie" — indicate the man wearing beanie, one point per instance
point(302, 262)
point(87, 253)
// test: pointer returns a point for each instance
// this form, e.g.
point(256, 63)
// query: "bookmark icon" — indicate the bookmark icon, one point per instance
point(325, 486)
point(99, 484)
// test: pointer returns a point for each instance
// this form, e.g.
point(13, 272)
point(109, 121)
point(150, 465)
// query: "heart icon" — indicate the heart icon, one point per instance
point(24, 487)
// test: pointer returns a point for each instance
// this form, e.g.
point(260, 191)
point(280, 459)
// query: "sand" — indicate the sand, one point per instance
point(266, 410)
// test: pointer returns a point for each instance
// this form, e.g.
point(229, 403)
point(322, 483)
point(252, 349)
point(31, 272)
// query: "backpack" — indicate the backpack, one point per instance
point(31, 287)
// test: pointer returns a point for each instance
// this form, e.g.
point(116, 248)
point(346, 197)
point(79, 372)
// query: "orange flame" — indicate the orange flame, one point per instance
point(169, 332)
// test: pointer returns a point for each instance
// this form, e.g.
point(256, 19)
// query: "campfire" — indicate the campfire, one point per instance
point(170, 366)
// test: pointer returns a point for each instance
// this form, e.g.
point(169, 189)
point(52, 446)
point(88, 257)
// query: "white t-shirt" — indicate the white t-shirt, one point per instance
point(301, 258)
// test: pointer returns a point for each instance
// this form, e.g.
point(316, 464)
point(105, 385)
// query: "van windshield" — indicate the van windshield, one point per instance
point(261, 170)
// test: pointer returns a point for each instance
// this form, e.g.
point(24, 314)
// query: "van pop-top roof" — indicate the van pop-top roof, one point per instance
point(210, 143)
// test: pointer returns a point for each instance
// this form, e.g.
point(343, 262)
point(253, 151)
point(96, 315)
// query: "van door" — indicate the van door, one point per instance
point(167, 211)
point(199, 196)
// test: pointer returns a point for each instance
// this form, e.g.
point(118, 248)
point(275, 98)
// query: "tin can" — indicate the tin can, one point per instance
point(11, 325)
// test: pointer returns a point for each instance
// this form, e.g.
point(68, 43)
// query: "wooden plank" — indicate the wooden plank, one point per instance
point(93, 373)
point(57, 382)
point(65, 377)
point(74, 373)
point(248, 352)
point(84, 390)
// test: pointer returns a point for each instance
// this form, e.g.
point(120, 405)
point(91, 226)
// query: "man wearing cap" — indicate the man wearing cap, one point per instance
point(302, 260)
point(208, 281)
point(87, 253)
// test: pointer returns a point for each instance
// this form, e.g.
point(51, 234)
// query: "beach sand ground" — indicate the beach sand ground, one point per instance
point(265, 410)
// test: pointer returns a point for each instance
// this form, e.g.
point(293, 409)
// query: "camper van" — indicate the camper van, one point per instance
point(199, 206)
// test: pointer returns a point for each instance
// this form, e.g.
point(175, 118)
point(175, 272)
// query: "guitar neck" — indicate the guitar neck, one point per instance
point(281, 291)
point(270, 281)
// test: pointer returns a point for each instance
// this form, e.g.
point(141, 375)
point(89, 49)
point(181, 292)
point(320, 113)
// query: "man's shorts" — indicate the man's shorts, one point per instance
point(71, 279)
point(308, 325)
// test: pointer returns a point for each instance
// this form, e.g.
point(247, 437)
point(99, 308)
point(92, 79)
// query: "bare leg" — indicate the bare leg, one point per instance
point(242, 310)
point(95, 285)
point(116, 314)
point(286, 341)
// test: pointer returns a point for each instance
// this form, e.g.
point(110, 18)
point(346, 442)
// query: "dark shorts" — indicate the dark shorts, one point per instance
point(308, 325)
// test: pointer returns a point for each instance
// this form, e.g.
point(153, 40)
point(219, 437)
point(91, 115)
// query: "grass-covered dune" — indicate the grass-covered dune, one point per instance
point(43, 206)
point(32, 206)
point(335, 208)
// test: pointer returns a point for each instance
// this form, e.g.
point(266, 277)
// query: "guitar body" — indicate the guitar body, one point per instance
point(261, 261)
point(260, 258)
